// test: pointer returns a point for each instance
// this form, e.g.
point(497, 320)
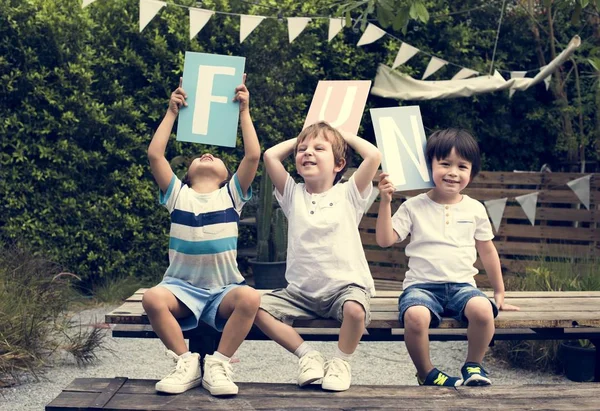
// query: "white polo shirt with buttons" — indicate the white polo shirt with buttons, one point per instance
point(442, 244)
point(324, 252)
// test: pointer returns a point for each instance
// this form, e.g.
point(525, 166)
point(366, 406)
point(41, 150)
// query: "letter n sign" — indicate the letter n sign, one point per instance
point(401, 139)
point(211, 116)
point(340, 103)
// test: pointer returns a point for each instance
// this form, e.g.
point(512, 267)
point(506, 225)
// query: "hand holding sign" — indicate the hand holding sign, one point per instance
point(177, 99)
point(242, 95)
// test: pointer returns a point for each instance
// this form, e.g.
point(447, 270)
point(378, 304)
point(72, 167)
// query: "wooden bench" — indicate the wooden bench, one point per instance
point(125, 394)
point(543, 315)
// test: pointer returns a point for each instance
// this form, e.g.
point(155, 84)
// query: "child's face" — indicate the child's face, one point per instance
point(315, 159)
point(208, 166)
point(451, 174)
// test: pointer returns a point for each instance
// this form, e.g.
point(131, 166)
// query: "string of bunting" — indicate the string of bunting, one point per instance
point(248, 23)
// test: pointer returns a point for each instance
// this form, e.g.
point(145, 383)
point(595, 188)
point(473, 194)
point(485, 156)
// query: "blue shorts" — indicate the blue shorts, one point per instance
point(203, 303)
point(442, 299)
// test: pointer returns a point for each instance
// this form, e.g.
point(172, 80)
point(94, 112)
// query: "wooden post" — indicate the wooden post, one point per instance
point(205, 344)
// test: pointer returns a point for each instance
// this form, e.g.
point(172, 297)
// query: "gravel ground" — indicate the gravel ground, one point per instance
point(379, 363)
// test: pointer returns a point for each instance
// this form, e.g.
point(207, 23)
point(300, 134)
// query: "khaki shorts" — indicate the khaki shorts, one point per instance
point(288, 306)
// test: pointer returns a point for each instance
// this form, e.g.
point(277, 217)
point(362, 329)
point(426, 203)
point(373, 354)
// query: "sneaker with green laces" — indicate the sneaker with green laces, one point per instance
point(474, 375)
point(441, 379)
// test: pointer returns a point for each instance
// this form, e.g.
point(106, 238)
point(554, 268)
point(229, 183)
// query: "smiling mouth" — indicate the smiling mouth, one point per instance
point(450, 181)
point(309, 163)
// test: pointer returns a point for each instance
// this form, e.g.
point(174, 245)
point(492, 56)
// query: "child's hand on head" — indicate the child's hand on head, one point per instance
point(386, 187)
point(242, 95)
point(177, 99)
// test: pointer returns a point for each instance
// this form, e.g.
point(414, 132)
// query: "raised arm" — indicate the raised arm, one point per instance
point(249, 164)
point(273, 159)
point(161, 169)
point(371, 160)
point(384, 232)
point(491, 263)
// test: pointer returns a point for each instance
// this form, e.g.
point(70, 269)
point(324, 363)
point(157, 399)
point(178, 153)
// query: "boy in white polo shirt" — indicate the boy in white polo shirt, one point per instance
point(447, 231)
point(327, 271)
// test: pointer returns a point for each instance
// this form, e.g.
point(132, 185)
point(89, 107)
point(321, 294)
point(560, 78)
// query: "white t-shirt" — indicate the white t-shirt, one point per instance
point(442, 244)
point(325, 253)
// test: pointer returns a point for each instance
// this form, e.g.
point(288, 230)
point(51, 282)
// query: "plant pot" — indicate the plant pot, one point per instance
point(578, 361)
point(268, 275)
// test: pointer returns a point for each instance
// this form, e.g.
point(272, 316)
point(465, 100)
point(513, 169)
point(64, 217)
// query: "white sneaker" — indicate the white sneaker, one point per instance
point(337, 375)
point(218, 377)
point(186, 374)
point(311, 368)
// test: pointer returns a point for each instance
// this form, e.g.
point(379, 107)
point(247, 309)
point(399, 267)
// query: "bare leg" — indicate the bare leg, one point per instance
point(239, 306)
point(416, 336)
point(352, 328)
point(279, 332)
point(163, 309)
point(481, 327)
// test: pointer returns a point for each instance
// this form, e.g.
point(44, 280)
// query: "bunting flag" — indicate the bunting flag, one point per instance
point(148, 9)
point(529, 204)
point(548, 79)
point(495, 209)
point(335, 26)
point(371, 34)
point(464, 73)
point(434, 65)
point(296, 25)
point(248, 24)
point(405, 53)
point(581, 188)
point(515, 74)
point(198, 19)
point(86, 3)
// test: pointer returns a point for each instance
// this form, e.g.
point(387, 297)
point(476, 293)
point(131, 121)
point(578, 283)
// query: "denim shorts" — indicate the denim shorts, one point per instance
point(203, 303)
point(442, 299)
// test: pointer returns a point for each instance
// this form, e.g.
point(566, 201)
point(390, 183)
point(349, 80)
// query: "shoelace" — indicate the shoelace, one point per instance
point(180, 368)
point(220, 371)
point(308, 361)
point(334, 367)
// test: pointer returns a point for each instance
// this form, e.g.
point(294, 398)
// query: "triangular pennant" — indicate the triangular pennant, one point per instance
point(581, 188)
point(295, 26)
point(148, 9)
point(198, 19)
point(86, 3)
point(529, 204)
point(495, 209)
point(434, 65)
point(335, 26)
point(405, 53)
point(547, 79)
point(464, 73)
point(248, 24)
point(515, 74)
point(371, 34)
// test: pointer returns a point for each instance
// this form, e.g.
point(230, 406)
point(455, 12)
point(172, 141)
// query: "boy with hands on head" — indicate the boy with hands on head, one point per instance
point(202, 281)
point(447, 231)
point(327, 271)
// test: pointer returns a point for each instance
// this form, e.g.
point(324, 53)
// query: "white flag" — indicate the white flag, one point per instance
point(464, 73)
point(515, 74)
point(581, 188)
point(434, 65)
point(296, 25)
point(529, 204)
point(371, 34)
point(86, 3)
point(405, 53)
point(547, 79)
point(148, 9)
point(248, 24)
point(495, 209)
point(198, 19)
point(335, 26)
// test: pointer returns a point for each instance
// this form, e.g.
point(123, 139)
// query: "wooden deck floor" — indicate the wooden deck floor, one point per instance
point(125, 394)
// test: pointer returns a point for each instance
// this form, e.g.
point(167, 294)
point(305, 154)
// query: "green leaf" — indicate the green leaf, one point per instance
point(422, 12)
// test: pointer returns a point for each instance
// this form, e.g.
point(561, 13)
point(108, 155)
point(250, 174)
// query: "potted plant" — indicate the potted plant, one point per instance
point(578, 357)
point(271, 247)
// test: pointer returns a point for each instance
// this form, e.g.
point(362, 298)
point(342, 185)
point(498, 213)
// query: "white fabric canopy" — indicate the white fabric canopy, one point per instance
point(393, 84)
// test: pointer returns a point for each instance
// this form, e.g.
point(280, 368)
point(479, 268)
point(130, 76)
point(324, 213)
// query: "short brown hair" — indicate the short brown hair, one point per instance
point(333, 136)
point(441, 143)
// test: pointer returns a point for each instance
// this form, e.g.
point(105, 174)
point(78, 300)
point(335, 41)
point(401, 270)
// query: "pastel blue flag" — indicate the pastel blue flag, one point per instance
point(211, 116)
point(401, 139)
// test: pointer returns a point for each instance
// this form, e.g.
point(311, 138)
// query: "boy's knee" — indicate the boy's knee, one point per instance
point(479, 310)
point(354, 312)
point(417, 318)
point(248, 300)
point(152, 301)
